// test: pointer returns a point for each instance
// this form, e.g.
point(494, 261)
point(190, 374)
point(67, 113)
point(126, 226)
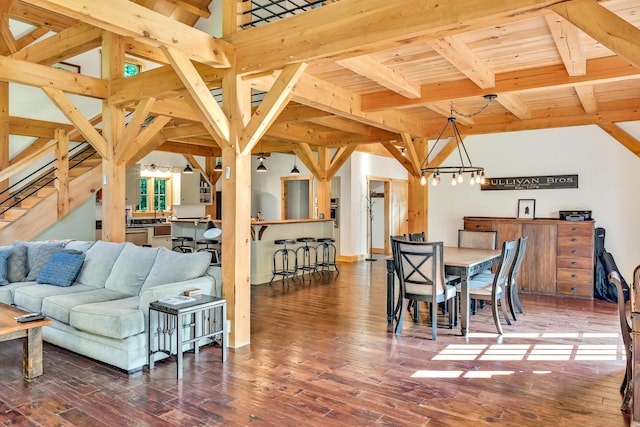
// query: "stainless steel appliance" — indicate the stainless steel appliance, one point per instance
point(334, 210)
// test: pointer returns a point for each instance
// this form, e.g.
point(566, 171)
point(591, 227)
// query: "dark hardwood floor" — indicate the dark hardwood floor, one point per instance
point(320, 355)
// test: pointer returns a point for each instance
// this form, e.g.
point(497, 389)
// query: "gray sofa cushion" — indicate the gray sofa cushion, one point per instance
point(79, 245)
point(171, 266)
point(42, 256)
point(30, 297)
point(114, 319)
point(59, 306)
point(131, 269)
point(17, 264)
point(5, 253)
point(32, 251)
point(6, 292)
point(98, 263)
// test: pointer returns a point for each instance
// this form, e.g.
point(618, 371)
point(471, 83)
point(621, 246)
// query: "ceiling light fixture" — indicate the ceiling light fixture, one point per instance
point(218, 166)
point(261, 167)
point(465, 166)
point(295, 170)
point(187, 169)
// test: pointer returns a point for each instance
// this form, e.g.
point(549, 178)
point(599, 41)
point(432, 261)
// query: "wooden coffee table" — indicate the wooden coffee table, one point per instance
point(31, 334)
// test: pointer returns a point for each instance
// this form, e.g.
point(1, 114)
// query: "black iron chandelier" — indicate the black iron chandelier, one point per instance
point(465, 166)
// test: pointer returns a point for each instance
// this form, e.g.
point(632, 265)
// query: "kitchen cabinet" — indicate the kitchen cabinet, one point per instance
point(560, 254)
point(132, 185)
point(193, 189)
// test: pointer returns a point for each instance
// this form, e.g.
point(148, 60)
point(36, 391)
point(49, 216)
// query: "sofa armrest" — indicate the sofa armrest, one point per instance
point(154, 293)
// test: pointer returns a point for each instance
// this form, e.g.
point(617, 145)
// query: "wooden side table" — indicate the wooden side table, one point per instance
point(190, 322)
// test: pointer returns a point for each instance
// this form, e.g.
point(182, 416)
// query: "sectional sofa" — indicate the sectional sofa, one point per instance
point(98, 293)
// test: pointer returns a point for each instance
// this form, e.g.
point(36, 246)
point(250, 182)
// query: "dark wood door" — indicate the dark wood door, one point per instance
point(538, 271)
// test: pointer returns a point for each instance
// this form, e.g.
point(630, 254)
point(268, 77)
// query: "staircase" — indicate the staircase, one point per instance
point(30, 206)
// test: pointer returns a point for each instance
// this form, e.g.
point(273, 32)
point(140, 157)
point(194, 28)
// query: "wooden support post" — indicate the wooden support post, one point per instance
point(324, 182)
point(62, 171)
point(4, 131)
point(418, 203)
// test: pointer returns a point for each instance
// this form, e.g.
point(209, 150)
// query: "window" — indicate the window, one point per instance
point(131, 68)
point(155, 194)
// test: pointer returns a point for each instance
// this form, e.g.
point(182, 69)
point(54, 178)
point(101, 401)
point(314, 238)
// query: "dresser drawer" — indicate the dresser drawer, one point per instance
point(575, 240)
point(574, 262)
point(478, 225)
point(575, 289)
point(574, 250)
point(574, 275)
point(576, 230)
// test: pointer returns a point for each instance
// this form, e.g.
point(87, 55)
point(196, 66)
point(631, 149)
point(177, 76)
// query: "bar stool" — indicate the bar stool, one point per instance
point(283, 255)
point(215, 257)
point(180, 244)
point(328, 251)
point(304, 256)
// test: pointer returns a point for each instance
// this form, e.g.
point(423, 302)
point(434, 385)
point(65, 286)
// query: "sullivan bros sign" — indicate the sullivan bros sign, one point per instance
point(531, 182)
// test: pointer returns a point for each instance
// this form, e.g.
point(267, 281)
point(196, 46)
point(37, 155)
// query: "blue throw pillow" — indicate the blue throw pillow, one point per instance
point(4, 261)
point(62, 269)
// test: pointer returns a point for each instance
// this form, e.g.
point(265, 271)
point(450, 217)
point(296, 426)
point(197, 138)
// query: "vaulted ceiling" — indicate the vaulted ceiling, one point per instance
point(380, 74)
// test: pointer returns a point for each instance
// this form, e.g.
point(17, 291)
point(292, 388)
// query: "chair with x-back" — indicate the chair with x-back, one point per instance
point(420, 270)
point(512, 292)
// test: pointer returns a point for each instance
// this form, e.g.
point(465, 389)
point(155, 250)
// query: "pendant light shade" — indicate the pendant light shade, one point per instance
point(261, 167)
point(218, 166)
point(188, 169)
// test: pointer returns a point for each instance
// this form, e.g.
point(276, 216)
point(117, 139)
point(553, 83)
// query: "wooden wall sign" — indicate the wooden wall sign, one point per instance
point(543, 182)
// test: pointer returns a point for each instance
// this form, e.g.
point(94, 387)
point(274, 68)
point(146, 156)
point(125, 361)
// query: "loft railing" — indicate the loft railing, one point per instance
point(38, 179)
point(263, 11)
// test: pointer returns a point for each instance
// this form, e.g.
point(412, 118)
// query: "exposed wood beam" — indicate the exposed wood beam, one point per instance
point(146, 26)
point(207, 107)
point(306, 156)
point(340, 157)
point(146, 141)
point(26, 161)
point(621, 136)
point(397, 154)
point(142, 50)
point(31, 149)
point(133, 127)
point(199, 11)
point(174, 107)
point(515, 105)
point(185, 131)
point(4, 131)
point(599, 70)
point(565, 35)
point(273, 103)
point(587, 95)
point(70, 42)
point(350, 126)
point(61, 182)
point(180, 148)
point(8, 44)
point(30, 37)
point(442, 155)
point(465, 60)
point(17, 71)
point(72, 113)
point(373, 70)
point(410, 151)
point(444, 109)
point(604, 26)
point(344, 28)
point(41, 17)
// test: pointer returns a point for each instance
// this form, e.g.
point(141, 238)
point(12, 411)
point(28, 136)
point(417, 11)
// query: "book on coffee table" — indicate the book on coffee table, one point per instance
point(176, 300)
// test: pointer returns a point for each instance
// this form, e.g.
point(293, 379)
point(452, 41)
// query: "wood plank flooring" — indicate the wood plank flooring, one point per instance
point(320, 356)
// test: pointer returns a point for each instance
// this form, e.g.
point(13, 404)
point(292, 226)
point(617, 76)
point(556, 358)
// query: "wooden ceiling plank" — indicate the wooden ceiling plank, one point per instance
point(132, 20)
point(74, 115)
point(342, 29)
point(182, 148)
point(297, 133)
point(515, 105)
point(587, 96)
point(599, 70)
point(17, 71)
point(565, 36)
point(63, 45)
point(273, 103)
point(465, 60)
point(207, 107)
point(621, 136)
point(604, 26)
point(374, 70)
point(41, 17)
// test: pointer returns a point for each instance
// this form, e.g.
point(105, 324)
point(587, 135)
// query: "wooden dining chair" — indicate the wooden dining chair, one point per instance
point(512, 292)
point(420, 270)
point(418, 237)
point(478, 239)
point(494, 289)
point(626, 387)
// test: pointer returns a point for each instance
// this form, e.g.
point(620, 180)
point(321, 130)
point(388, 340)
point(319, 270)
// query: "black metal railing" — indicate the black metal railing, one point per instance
point(264, 11)
point(40, 178)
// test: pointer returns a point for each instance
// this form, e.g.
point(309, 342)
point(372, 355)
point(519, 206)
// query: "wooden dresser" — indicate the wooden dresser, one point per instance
point(560, 254)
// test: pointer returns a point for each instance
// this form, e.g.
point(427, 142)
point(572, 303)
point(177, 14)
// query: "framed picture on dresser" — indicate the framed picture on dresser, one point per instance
point(526, 208)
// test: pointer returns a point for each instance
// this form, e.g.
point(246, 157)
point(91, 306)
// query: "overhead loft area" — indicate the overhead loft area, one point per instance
point(259, 12)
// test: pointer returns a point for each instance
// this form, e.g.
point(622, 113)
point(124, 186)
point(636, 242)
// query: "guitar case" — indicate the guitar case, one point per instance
point(605, 264)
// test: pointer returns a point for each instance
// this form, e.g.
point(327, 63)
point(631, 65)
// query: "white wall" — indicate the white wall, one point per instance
point(80, 224)
point(607, 174)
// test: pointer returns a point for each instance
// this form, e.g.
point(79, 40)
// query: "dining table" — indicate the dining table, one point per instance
point(463, 262)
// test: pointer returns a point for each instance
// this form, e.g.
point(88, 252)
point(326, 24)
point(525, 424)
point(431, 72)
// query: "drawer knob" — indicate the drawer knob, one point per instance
point(574, 229)
point(573, 263)
point(477, 225)
point(574, 240)
point(574, 289)
point(574, 276)
point(573, 251)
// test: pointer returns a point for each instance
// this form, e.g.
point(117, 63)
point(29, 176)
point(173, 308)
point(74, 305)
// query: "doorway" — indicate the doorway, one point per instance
point(388, 213)
point(297, 197)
